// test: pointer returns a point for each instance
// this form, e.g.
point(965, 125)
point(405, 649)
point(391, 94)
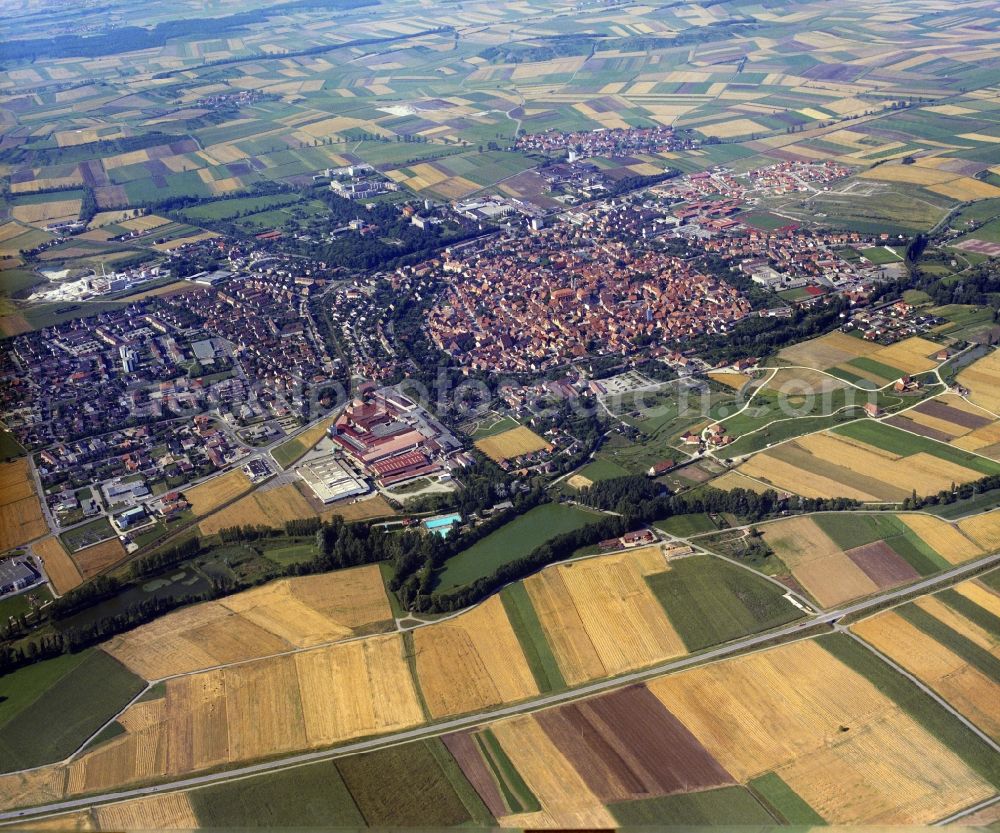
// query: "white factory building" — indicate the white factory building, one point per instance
point(330, 479)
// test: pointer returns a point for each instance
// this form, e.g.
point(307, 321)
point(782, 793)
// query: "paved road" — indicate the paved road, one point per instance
point(507, 711)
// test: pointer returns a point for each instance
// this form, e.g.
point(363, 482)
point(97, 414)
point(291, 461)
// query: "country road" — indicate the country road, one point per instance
point(444, 727)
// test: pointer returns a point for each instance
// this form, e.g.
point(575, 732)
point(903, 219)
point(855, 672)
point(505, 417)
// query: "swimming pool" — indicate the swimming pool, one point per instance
point(442, 523)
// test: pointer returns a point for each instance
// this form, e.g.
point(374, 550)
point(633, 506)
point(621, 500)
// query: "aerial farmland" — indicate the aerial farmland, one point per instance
point(539, 415)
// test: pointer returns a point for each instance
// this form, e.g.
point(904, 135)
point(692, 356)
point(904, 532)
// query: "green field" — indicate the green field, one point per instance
point(975, 655)
point(783, 801)
point(879, 255)
point(229, 209)
point(287, 453)
point(854, 530)
point(787, 429)
point(885, 371)
point(920, 706)
point(524, 620)
point(684, 525)
point(602, 469)
point(710, 601)
point(491, 426)
point(517, 795)
point(980, 616)
point(84, 690)
point(307, 796)
point(723, 806)
point(903, 443)
point(512, 541)
point(414, 785)
point(87, 534)
point(10, 448)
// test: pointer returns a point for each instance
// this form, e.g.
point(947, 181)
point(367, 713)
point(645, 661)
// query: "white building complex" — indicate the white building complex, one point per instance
point(330, 479)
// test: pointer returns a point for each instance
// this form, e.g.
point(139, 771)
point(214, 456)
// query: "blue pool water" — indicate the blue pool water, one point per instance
point(442, 523)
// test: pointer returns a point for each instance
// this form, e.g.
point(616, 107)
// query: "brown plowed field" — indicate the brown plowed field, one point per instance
point(464, 750)
point(939, 410)
point(91, 560)
point(882, 564)
point(918, 428)
point(626, 745)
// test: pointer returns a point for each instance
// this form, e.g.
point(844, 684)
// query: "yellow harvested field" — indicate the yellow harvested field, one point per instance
point(787, 706)
point(286, 614)
point(104, 218)
point(21, 518)
point(508, 445)
point(471, 662)
point(267, 507)
point(912, 355)
point(600, 616)
point(984, 529)
point(730, 380)
point(59, 567)
point(144, 223)
point(734, 480)
point(578, 481)
point(885, 775)
point(981, 595)
point(913, 174)
point(175, 288)
point(176, 243)
point(816, 562)
point(942, 537)
point(257, 709)
point(170, 811)
point(798, 540)
point(44, 785)
point(210, 495)
point(42, 213)
point(362, 510)
point(827, 351)
point(851, 468)
point(965, 687)
point(311, 436)
point(92, 560)
point(958, 623)
point(52, 183)
point(786, 477)
point(273, 507)
point(10, 230)
point(834, 580)
point(728, 129)
point(966, 188)
point(372, 686)
point(982, 378)
point(565, 798)
point(78, 821)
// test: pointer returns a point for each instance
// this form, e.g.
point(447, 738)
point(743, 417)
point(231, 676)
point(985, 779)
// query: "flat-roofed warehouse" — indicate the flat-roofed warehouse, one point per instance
point(330, 479)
